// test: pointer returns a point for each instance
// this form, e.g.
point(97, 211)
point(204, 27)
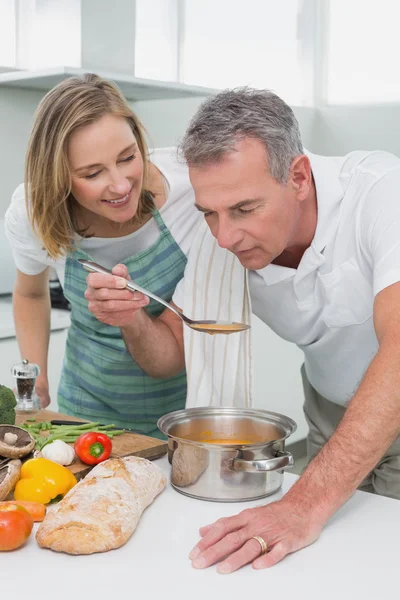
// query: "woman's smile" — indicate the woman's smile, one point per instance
point(119, 202)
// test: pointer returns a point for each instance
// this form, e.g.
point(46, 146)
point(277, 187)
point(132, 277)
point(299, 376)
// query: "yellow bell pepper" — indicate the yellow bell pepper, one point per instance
point(43, 481)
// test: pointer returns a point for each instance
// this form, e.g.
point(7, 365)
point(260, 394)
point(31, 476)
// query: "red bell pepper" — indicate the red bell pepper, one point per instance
point(92, 447)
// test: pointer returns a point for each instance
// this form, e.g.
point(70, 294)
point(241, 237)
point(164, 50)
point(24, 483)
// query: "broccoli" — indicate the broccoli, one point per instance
point(7, 406)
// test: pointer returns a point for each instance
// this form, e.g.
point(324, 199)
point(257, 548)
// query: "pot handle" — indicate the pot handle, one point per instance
point(282, 460)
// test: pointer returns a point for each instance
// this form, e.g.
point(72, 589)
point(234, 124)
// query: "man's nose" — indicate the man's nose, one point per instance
point(227, 236)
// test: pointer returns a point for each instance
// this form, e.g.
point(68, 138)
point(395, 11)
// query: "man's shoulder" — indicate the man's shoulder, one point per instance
point(375, 163)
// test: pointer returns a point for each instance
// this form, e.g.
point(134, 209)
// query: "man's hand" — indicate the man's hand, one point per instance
point(284, 526)
point(110, 301)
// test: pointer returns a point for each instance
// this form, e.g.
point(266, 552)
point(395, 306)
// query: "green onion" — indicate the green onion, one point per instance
point(66, 433)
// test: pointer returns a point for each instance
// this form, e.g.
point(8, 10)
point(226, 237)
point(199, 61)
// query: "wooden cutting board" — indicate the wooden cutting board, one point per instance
point(126, 444)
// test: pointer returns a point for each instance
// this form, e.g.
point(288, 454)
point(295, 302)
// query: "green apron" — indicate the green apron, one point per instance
point(100, 380)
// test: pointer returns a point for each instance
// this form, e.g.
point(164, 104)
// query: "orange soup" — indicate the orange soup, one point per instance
point(207, 437)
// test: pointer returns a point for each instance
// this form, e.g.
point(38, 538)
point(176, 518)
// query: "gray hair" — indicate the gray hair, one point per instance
point(232, 115)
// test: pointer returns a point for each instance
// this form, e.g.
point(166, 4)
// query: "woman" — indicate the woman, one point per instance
point(94, 194)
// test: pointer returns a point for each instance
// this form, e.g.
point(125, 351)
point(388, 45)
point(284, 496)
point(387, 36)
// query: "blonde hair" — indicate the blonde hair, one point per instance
point(73, 103)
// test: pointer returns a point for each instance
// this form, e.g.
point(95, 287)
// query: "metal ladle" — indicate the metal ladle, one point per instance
point(210, 327)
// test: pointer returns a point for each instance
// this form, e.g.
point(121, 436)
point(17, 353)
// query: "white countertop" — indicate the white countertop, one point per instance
point(60, 319)
point(356, 558)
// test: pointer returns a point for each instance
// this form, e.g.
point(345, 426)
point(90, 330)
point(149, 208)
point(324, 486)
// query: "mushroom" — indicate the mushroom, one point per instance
point(9, 475)
point(23, 444)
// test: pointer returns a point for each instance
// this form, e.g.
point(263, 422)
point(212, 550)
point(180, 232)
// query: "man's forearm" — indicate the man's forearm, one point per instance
point(369, 426)
point(154, 346)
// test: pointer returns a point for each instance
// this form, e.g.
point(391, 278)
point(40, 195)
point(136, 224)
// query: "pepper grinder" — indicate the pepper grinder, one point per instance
point(25, 374)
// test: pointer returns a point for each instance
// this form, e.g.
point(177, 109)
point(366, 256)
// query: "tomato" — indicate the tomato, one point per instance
point(36, 510)
point(92, 447)
point(15, 526)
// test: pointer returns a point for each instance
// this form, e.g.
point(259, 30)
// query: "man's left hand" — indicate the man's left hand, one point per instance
point(284, 526)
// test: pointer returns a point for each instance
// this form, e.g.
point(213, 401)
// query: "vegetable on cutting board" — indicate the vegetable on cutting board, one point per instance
point(93, 448)
point(43, 481)
point(15, 526)
point(7, 406)
point(23, 442)
point(45, 433)
point(59, 452)
point(10, 439)
point(36, 510)
point(9, 475)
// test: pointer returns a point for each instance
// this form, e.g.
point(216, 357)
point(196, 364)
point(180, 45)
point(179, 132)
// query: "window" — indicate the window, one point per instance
point(311, 52)
point(52, 34)
point(7, 33)
point(156, 39)
point(46, 33)
point(229, 43)
point(363, 52)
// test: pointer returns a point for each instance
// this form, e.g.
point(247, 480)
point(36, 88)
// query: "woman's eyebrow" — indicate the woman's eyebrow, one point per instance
point(130, 147)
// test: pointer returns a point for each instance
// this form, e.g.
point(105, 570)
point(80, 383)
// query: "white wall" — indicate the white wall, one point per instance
point(341, 129)
point(16, 116)
point(166, 120)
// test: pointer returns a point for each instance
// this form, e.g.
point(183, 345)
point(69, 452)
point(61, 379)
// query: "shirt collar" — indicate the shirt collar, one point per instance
point(326, 173)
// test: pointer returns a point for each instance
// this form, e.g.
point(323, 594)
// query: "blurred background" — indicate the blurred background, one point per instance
point(335, 62)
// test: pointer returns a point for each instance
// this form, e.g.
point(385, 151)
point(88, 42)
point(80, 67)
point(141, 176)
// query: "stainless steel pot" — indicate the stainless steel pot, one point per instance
point(248, 464)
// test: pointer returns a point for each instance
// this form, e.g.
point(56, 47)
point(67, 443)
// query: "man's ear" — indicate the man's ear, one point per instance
point(300, 176)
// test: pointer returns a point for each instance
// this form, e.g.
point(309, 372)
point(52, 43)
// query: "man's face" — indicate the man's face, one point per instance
point(247, 210)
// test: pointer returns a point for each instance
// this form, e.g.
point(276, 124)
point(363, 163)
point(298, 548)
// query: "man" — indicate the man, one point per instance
point(321, 239)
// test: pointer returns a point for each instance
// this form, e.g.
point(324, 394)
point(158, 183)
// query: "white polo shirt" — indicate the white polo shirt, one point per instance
point(325, 306)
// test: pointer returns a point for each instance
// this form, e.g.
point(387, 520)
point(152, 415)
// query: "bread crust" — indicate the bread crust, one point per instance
point(102, 511)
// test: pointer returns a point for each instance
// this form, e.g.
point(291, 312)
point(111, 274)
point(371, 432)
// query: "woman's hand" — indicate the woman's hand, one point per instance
point(110, 301)
point(42, 390)
point(283, 526)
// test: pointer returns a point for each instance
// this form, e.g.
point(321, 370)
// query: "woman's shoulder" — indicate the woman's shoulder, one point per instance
point(18, 199)
point(16, 212)
point(16, 220)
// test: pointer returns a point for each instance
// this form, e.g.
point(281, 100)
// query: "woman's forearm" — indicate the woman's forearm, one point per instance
point(32, 326)
point(156, 344)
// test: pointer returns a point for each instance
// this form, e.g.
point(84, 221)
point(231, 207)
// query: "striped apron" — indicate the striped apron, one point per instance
point(100, 380)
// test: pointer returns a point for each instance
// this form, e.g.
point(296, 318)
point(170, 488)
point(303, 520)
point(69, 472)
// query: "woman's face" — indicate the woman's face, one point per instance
point(106, 170)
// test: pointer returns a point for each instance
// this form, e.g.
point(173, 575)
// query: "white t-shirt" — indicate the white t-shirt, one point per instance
point(325, 306)
point(178, 213)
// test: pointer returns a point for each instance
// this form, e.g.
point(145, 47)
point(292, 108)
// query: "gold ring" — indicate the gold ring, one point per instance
point(262, 543)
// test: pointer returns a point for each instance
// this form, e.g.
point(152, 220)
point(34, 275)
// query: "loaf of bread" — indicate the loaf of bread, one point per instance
point(102, 511)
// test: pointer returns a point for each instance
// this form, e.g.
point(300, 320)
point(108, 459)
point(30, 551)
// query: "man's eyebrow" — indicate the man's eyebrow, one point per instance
point(244, 203)
point(241, 204)
point(133, 146)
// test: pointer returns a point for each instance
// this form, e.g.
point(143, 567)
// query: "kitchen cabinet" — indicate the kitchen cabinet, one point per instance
point(133, 88)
